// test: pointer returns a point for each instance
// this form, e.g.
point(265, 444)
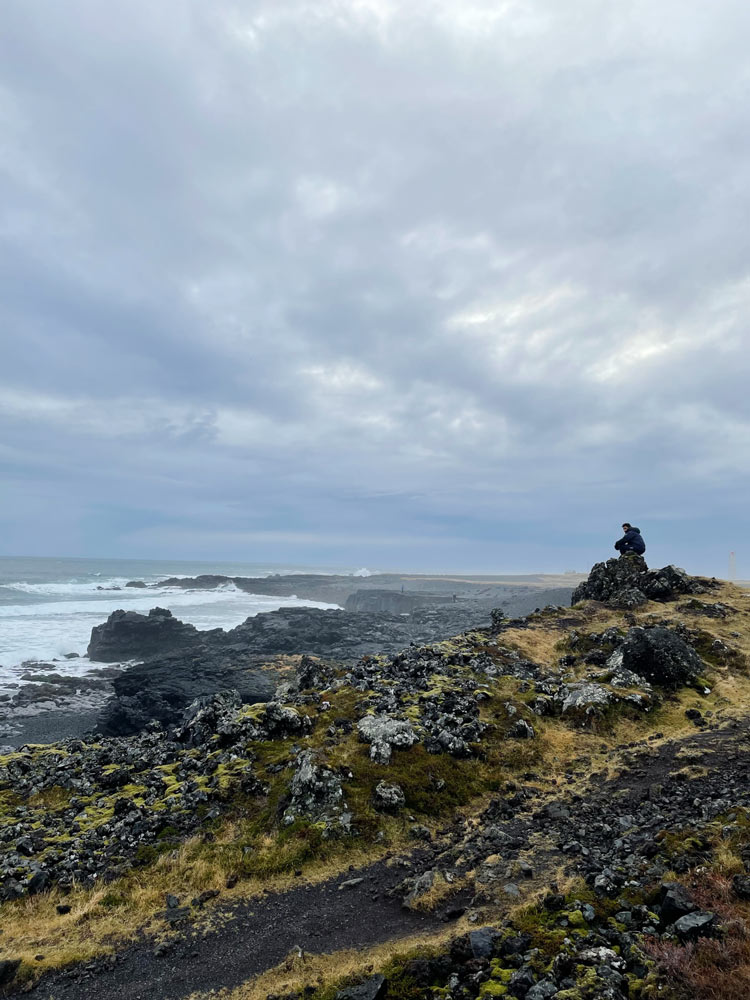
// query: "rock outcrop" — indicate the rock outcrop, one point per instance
point(128, 635)
point(163, 687)
point(316, 794)
point(627, 582)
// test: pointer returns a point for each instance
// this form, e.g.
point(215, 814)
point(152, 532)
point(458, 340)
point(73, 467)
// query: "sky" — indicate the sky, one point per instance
point(434, 285)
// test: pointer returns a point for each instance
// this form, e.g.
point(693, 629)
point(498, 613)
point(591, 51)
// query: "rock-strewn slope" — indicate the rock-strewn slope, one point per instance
point(183, 663)
point(524, 755)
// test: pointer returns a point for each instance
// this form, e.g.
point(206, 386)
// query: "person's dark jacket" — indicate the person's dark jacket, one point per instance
point(631, 541)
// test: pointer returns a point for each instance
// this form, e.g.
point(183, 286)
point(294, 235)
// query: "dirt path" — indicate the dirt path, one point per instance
point(255, 936)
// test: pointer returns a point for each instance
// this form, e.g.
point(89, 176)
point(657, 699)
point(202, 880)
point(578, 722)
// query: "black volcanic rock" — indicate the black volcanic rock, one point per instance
point(659, 655)
point(127, 635)
point(628, 582)
point(187, 664)
point(163, 687)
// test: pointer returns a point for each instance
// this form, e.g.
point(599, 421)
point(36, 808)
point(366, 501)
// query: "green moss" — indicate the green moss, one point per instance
point(492, 988)
point(499, 973)
point(540, 925)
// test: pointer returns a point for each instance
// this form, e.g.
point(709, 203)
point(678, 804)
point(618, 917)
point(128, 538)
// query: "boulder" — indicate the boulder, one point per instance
point(608, 579)
point(659, 655)
point(316, 794)
point(312, 674)
point(372, 989)
point(209, 716)
point(675, 902)
point(482, 941)
point(383, 733)
point(521, 730)
point(418, 887)
point(282, 721)
point(695, 925)
point(585, 698)
point(388, 798)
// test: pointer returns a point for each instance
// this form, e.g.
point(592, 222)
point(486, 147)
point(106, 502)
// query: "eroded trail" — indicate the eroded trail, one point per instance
point(675, 784)
point(252, 937)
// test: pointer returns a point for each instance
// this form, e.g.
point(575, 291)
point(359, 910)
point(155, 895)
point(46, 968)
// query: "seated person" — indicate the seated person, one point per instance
point(631, 541)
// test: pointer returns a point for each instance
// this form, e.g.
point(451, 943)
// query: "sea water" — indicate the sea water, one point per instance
point(49, 606)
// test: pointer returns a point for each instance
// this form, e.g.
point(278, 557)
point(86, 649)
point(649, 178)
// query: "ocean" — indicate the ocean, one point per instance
point(49, 606)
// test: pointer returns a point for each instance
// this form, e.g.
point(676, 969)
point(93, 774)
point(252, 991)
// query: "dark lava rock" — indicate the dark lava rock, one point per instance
point(8, 969)
point(209, 716)
point(659, 655)
point(388, 601)
point(162, 689)
point(521, 730)
point(182, 663)
point(675, 902)
point(373, 989)
point(316, 794)
point(483, 942)
point(607, 579)
point(127, 635)
point(741, 886)
point(628, 582)
point(388, 798)
point(695, 925)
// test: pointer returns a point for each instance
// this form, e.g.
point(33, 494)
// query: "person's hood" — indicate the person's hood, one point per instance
point(633, 528)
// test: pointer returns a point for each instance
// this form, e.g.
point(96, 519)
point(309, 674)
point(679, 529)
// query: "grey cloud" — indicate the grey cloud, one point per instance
point(272, 266)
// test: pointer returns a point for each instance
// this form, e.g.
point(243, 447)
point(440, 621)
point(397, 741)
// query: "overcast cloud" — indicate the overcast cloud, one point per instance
point(438, 284)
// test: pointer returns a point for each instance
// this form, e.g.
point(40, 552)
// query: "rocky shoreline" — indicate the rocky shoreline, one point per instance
point(183, 663)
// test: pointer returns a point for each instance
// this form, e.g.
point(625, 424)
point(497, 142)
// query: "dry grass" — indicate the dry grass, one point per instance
point(320, 971)
point(102, 919)
point(690, 773)
point(441, 890)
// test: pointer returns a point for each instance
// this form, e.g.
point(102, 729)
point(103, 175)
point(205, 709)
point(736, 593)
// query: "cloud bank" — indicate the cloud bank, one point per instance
point(427, 285)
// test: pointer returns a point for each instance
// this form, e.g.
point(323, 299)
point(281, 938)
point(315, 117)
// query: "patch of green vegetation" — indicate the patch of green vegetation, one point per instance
point(431, 783)
point(677, 843)
point(718, 656)
point(492, 988)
